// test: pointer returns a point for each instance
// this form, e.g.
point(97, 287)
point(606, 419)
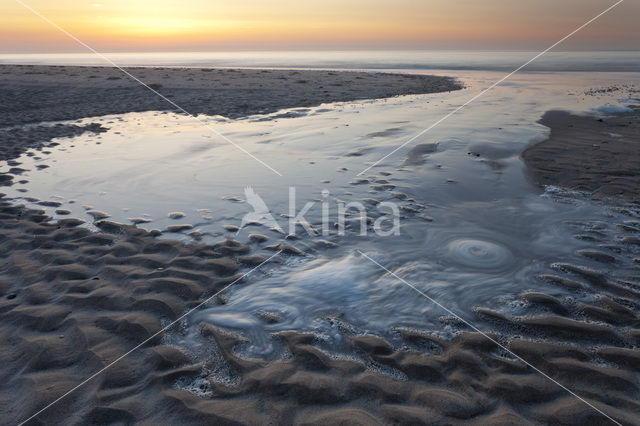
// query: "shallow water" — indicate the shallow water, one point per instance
point(474, 231)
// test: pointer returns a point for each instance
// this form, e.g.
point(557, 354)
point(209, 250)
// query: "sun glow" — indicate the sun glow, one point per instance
point(201, 24)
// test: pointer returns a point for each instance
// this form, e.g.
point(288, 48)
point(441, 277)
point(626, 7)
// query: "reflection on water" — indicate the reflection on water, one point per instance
point(390, 59)
point(474, 230)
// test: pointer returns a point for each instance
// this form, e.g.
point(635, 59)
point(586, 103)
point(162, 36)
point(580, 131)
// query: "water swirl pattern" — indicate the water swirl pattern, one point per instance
point(478, 254)
point(475, 231)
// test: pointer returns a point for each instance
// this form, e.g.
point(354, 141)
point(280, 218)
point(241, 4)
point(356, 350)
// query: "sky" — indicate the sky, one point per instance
point(209, 25)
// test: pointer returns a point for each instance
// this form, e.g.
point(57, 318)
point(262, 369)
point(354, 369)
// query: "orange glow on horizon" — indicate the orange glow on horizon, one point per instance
point(200, 24)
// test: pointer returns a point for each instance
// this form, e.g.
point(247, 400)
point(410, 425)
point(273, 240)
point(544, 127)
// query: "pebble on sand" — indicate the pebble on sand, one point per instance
point(233, 198)
point(258, 238)
point(179, 228)
point(359, 181)
point(97, 214)
point(196, 235)
point(50, 203)
point(372, 201)
point(286, 249)
point(137, 220)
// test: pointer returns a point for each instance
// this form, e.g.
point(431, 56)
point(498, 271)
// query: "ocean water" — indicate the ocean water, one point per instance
point(474, 230)
point(603, 61)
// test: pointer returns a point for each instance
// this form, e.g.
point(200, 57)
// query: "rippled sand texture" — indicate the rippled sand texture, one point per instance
point(85, 298)
point(553, 277)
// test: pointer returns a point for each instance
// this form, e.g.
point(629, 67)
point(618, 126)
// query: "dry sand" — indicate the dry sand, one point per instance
point(72, 301)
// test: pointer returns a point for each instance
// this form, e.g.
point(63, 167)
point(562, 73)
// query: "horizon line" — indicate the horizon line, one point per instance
point(291, 50)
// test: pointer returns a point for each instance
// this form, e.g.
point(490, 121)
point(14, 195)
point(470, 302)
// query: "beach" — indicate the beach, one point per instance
point(36, 93)
point(78, 296)
point(587, 153)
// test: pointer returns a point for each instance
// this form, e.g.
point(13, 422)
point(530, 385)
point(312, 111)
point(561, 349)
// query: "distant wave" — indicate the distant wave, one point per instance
point(623, 61)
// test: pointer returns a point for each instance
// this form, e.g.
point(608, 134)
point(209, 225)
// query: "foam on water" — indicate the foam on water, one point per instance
point(474, 230)
point(478, 254)
point(611, 109)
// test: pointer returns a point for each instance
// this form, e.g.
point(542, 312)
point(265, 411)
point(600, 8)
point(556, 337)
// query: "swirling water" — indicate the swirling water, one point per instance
point(474, 230)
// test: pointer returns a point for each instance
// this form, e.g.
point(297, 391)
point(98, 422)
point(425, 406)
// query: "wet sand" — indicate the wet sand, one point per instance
point(33, 94)
point(72, 301)
point(36, 93)
point(589, 153)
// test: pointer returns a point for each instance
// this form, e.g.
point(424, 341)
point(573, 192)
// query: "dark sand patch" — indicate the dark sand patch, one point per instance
point(385, 133)
point(418, 154)
point(588, 153)
point(35, 93)
point(14, 140)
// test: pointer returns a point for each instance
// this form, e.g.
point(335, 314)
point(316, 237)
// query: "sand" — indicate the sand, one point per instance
point(34, 93)
point(38, 94)
point(589, 153)
point(72, 301)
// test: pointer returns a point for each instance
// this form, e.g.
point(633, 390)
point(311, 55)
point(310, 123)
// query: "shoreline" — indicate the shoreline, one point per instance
point(37, 93)
point(597, 155)
point(33, 94)
point(72, 301)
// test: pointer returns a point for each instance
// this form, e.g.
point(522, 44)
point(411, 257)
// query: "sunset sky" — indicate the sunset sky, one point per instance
point(198, 25)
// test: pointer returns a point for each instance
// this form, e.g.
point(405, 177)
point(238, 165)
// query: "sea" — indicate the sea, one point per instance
point(602, 61)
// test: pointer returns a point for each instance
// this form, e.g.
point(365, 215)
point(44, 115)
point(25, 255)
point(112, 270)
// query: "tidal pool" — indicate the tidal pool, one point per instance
point(474, 230)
